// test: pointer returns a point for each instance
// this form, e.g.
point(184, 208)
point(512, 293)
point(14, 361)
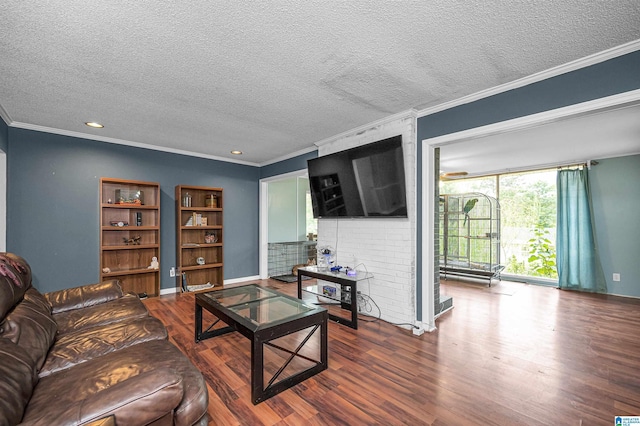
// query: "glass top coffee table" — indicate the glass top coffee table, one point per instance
point(289, 337)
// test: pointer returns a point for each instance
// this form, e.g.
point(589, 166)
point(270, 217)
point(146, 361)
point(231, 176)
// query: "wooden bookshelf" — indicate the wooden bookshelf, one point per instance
point(199, 235)
point(130, 234)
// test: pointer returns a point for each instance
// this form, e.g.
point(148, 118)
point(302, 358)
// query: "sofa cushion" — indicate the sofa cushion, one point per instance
point(128, 306)
point(18, 379)
point(31, 326)
point(37, 298)
point(137, 400)
point(89, 343)
point(92, 379)
point(15, 280)
point(84, 296)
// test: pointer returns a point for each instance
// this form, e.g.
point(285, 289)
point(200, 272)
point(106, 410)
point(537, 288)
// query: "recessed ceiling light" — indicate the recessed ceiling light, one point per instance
point(236, 152)
point(94, 124)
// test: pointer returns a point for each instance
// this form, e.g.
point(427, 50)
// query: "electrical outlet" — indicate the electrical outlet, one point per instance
point(616, 276)
point(172, 272)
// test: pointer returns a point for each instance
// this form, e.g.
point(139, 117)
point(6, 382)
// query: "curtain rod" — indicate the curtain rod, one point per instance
point(588, 165)
point(536, 168)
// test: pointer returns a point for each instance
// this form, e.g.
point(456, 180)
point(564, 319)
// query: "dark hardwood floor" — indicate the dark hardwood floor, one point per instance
point(505, 355)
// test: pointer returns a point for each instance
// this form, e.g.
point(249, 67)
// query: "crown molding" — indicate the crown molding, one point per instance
point(5, 116)
point(411, 113)
point(596, 58)
point(288, 156)
point(116, 141)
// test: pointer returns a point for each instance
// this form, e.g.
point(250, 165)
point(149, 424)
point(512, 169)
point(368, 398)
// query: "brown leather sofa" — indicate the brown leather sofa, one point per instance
point(84, 354)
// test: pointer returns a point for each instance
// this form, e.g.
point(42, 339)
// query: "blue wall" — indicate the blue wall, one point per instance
point(52, 209)
point(607, 78)
point(287, 166)
point(4, 143)
point(615, 193)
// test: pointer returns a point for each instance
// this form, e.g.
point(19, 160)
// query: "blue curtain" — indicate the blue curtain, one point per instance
point(578, 262)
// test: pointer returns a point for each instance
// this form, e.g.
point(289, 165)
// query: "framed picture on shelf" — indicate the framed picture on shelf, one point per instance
point(129, 197)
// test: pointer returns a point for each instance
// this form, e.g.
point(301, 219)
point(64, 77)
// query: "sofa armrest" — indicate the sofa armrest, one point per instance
point(139, 400)
point(84, 296)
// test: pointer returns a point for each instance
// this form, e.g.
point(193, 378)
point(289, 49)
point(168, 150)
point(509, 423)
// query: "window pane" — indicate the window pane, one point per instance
point(528, 218)
point(485, 185)
point(528, 223)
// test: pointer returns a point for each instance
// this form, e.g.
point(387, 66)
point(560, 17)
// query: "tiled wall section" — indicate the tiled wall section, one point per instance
point(285, 255)
point(384, 247)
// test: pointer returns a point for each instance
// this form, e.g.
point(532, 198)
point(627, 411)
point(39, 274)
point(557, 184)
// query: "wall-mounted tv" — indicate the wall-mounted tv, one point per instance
point(365, 181)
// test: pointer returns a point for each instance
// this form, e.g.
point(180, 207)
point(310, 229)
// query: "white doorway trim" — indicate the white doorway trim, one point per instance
point(428, 188)
point(599, 105)
point(428, 236)
point(264, 217)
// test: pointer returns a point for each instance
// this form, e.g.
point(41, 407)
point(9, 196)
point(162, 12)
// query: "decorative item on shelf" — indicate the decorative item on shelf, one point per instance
point(119, 223)
point(138, 218)
point(129, 197)
point(109, 201)
point(106, 270)
point(327, 257)
point(134, 241)
point(186, 200)
point(210, 238)
point(200, 261)
point(186, 287)
point(195, 220)
point(204, 221)
point(197, 287)
point(211, 201)
point(154, 263)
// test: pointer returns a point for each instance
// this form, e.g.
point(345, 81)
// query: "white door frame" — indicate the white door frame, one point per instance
point(264, 217)
point(428, 187)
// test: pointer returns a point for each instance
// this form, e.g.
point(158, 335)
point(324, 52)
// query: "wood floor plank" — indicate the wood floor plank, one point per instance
point(507, 354)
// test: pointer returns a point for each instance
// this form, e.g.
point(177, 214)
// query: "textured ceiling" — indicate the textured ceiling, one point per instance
point(271, 78)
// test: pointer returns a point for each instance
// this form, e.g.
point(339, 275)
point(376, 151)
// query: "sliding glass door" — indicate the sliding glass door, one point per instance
point(528, 220)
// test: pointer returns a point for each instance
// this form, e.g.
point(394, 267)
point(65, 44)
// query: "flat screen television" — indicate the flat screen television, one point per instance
point(363, 182)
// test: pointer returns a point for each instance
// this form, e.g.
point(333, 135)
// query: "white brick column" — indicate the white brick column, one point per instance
point(384, 247)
